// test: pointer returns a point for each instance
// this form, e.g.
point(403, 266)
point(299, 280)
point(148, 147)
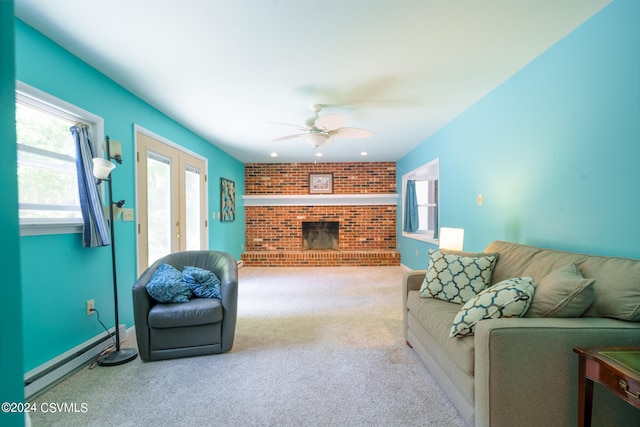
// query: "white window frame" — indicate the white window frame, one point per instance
point(35, 98)
point(427, 172)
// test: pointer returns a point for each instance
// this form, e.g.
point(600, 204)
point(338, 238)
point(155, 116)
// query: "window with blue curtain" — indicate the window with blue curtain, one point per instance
point(48, 190)
point(420, 216)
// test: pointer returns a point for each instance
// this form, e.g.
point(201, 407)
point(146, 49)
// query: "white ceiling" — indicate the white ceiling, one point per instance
point(224, 68)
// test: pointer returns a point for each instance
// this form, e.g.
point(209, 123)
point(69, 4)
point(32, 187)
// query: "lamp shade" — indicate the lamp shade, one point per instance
point(115, 148)
point(451, 238)
point(102, 168)
point(117, 211)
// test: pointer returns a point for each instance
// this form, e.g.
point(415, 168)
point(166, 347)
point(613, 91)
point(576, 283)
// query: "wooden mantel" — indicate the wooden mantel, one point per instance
point(321, 199)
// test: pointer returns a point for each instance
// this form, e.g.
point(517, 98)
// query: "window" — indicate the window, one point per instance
point(47, 178)
point(426, 193)
point(426, 179)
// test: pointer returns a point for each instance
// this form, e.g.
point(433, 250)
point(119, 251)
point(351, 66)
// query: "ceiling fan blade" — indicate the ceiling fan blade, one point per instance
point(351, 133)
point(289, 137)
point(329, 142)
point(289, 124)
point(329, 122)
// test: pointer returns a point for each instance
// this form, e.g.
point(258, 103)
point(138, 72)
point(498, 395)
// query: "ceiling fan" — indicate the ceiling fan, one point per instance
point(320, 130)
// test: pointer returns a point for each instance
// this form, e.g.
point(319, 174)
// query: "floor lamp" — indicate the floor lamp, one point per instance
point(102, 170)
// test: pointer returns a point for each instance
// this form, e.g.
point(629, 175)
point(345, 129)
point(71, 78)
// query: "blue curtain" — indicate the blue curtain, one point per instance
point(410, 208)
point(95, 228)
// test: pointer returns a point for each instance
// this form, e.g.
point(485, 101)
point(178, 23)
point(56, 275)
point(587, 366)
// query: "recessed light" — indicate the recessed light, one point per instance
point(364, 153)
point(318, 154)
point(274, 154)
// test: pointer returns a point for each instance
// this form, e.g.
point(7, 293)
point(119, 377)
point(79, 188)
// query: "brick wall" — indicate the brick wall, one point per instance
point(363, 229)
point(293, 178)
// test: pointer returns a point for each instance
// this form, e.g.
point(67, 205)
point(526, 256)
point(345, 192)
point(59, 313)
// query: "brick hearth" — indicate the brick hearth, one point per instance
point(363, 202)
point(313, 258)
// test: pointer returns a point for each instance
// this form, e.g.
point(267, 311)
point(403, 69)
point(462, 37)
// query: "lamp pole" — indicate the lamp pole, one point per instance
point(119, 355)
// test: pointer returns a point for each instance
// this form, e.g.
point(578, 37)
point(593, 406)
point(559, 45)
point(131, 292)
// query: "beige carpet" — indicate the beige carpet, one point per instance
point(314, 347)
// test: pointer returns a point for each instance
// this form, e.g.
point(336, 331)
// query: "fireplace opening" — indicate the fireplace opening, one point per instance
point(322, 235)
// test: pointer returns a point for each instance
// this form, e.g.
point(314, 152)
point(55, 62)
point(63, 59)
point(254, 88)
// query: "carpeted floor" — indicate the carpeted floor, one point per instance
point(314, 347)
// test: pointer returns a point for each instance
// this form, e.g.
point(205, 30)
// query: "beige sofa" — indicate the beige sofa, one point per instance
point(522, 371)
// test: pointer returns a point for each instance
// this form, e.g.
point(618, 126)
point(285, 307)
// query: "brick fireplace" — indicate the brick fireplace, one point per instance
point(362, 206)
point(320, 235)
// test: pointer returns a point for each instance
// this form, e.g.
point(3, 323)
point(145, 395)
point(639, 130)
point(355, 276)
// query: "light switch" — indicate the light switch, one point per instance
point(479, 199)
point(127, 214)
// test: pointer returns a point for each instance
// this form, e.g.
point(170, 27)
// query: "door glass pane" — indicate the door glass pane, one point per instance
point(158, 206)
point(193, 208)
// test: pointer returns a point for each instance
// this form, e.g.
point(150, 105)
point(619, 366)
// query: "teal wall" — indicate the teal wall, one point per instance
point(554, 150)
point(11, 382)
point(58, 274)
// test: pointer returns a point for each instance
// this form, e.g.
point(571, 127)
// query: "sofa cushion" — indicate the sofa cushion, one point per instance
point(436, 317)
point(617, 280)
point(457, 276)
point(166, 285)
point(509, 298)
point(198, 311)
point(617, 287)
point(562, 293)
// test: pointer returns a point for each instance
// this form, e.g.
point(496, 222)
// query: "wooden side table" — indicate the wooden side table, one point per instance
point(616, 368)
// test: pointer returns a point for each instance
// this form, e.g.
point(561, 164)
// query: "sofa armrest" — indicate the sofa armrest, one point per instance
point(142, 303)
point(526, 372)
point(228, 275)
point(411, 281)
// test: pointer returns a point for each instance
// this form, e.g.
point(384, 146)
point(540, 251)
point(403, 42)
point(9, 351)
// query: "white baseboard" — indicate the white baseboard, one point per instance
point(41, 378)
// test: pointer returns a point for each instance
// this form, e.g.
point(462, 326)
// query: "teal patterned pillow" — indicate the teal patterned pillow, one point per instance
point(203, 283)
point(509, 298)
point(457, 276)
point(166, 285)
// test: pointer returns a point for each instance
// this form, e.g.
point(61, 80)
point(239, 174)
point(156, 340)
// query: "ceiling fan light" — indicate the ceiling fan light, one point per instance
point(316, 139)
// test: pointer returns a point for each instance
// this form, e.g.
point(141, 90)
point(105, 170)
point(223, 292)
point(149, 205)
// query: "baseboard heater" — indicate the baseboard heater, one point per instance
point(45, 376)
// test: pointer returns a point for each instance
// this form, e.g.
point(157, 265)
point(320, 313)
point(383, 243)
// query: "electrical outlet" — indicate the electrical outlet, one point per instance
point(90, 307)
point(127, 214)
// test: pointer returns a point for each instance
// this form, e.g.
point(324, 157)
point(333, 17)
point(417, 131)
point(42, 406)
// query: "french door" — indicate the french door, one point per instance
point(171, 191)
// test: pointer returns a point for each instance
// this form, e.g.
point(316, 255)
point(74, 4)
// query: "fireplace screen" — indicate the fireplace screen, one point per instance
point(320, 235)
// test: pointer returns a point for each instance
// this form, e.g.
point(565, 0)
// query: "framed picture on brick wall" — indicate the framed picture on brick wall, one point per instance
point(320, 183)
point(227, 200)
